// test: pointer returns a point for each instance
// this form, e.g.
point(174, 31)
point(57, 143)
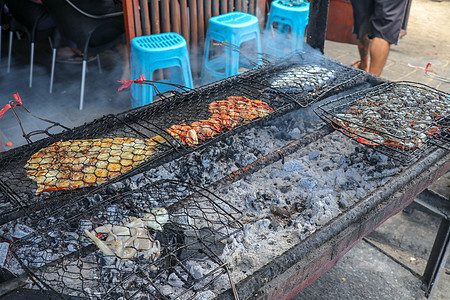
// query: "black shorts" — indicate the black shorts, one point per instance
point(379, 18)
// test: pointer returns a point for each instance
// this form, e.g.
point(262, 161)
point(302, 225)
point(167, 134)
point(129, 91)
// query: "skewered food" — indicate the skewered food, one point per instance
point(226, 114)
point(124, 241)
point(74, 164)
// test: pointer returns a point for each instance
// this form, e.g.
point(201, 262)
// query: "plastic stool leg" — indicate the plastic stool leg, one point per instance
point(52, 74)
point(99, 64)
point(31, 64)
point(11, 35)
point(83, 78)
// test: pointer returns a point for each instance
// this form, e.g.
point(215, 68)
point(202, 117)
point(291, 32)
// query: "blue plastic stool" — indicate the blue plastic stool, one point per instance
point(277, 42)
point(158, 51)
point(234, 28)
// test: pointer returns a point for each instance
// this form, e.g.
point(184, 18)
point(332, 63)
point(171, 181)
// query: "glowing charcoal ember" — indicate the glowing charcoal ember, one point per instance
point(76, 164)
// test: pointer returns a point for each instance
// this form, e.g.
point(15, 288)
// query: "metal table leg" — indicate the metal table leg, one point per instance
point(437, 205)
point(438, 257)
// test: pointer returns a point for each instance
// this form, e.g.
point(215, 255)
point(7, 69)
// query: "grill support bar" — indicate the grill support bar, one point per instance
point(438, 256)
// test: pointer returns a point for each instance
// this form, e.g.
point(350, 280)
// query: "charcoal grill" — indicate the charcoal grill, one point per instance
point(284, 275)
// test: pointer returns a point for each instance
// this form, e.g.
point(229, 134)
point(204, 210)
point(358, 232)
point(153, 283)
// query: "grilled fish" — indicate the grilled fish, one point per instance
point(73, 164)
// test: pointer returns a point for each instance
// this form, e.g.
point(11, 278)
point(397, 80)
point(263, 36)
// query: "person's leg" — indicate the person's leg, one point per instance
point(363, 48)
point(379, 51)
point(362, 11)
point(386, 27)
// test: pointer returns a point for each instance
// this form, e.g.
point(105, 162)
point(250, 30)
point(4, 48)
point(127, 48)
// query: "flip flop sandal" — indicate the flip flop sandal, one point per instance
point(355, 63)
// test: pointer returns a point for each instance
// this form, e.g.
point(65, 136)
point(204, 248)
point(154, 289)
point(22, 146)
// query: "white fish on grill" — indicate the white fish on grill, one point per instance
point(306, 78)
point(126, 240)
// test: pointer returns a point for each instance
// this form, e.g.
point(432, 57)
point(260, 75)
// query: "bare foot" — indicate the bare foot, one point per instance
point(360, 65)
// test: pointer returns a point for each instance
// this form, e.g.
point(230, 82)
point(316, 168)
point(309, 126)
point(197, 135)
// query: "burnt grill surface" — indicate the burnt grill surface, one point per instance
point(152, 120)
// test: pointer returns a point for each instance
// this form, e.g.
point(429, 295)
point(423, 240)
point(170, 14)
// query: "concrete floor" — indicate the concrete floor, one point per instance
point(385, 265)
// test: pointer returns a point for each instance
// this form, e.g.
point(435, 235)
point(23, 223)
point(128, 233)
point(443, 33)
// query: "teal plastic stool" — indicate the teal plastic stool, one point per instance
point(288, 35)
point(154, 52)
point(235, 28)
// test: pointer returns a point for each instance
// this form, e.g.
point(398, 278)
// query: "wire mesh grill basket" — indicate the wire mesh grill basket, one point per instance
point(160, 242)
point(308, 78)
point(401, 119)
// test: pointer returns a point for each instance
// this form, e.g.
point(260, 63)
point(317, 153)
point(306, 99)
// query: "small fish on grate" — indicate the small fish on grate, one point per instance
point(299, 79)
point(74, 164)
point(399, 118)
point(226, 114)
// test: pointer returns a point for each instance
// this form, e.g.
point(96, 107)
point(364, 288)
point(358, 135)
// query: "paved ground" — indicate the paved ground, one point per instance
point(386, 265)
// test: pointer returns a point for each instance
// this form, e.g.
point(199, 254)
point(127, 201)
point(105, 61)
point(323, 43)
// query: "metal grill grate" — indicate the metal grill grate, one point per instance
point(401, 119)
point(308, 78)
point(62, 258)
point(153, 120)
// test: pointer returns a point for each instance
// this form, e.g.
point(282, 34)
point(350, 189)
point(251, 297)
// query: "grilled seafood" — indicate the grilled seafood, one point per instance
point(298, 79)
point(185, 133)
point(74, 164)
point(401, 118)
point(226, 114)
point(124, 241)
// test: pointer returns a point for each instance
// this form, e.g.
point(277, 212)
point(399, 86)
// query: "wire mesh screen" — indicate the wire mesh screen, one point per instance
point(401, 119)
point(159, 242)
point(308, 77)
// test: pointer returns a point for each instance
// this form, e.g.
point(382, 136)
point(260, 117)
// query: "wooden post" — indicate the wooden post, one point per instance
point(155, 17)
point(215, 8)
point(223, 6)
point(208, 11)
point(184, 21)
point(145, 17)
point(194, 35)
point(237, 5)
point(201, 22)
point(175, 18)
point(260, 12)
point(137, 19)
point(128, 20)
point(165, 14)
point(230, 6)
